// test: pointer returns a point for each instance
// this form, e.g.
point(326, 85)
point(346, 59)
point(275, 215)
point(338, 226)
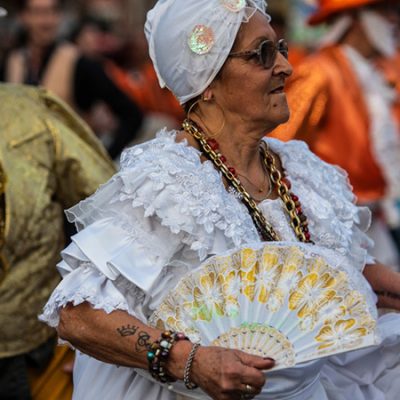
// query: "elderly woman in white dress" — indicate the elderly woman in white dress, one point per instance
point(216, 185)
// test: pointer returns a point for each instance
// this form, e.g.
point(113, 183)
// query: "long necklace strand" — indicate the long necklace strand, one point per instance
point(260, 189)
point(298, 220)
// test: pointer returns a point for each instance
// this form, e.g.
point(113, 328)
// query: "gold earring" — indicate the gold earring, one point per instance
point(216, 134)
point(210, 134)
point(191, 108)
point(204, 98)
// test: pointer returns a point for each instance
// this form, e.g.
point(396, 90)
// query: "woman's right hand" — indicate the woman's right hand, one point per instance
point(226, 374)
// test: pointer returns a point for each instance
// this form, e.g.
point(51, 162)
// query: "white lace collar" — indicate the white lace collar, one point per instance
point(198, 191)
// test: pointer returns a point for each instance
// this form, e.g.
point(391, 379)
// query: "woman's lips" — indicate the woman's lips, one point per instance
point(278, 90)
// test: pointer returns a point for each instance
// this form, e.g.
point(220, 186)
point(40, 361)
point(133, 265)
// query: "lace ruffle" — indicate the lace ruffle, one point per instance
point(84, 285)
point(169, 181)
point(166, 211)
point(328, 201)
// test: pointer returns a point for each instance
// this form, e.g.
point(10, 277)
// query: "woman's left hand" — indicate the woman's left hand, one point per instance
point(386, 283)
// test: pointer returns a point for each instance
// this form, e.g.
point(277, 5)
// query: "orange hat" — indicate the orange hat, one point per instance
point(327, 8)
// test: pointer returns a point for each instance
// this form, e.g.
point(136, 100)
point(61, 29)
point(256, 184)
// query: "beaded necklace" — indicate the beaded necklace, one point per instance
point(298, 220)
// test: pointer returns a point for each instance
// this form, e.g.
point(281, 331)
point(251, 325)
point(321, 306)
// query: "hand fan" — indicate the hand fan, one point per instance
point(279, 301)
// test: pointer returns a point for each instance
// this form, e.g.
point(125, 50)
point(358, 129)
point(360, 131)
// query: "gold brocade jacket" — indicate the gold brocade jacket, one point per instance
point(49, 160)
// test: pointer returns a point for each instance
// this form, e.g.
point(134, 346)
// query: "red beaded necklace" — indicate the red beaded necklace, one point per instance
point(291, 202)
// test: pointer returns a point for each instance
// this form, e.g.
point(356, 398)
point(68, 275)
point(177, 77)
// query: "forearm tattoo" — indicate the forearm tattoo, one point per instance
point(128, 330)
point(143, 338)
point(143, 342)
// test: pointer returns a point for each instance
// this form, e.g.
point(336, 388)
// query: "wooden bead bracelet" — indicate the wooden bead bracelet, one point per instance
point(158, 355)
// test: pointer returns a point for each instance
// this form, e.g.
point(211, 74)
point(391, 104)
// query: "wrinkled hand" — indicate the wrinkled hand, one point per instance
point(223, 374)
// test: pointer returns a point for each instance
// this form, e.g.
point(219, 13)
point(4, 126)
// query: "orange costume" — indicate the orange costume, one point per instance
point(146, 91)
point(333, 108)
point(346, 110)
point(328, 111)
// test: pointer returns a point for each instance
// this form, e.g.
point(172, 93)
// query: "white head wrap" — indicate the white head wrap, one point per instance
point(189, 40)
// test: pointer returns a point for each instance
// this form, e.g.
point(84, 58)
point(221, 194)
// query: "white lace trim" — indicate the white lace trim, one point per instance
point(169, 180)
point(326, 197)
point(88, 291)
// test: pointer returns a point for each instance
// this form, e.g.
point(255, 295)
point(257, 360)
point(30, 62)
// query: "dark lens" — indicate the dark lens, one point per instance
point(267, 53)
point(283, 48)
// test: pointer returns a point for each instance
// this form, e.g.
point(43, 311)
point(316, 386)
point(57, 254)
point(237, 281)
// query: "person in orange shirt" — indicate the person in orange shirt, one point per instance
point(343, 107)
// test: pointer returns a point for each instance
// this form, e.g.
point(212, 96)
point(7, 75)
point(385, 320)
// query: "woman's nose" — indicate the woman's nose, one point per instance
point(282, 66)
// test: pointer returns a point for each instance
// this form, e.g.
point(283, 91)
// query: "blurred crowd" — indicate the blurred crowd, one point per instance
point(95, 58)
point(93, 61)
point(93, 55)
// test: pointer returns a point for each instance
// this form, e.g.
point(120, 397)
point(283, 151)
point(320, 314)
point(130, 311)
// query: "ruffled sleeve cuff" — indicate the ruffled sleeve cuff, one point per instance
point(111, 267)
point(85, 284)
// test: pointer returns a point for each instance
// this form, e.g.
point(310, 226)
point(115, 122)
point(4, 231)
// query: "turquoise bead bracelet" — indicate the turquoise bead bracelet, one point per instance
point(158, 355)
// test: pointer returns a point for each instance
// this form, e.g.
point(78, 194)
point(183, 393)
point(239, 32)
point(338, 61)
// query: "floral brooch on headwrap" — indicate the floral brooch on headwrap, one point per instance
point(201, 39)
point(234, 5)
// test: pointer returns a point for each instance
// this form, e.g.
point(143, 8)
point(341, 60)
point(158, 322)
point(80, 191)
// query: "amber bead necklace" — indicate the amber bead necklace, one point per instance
point(298, 220)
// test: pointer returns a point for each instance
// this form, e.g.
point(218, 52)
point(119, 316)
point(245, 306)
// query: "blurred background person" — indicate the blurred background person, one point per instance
point(282, 23)
point(94, 37)
point(42, 59)
point(127, 63)
point(133, 71)
point(343, 106)
point(49, 160)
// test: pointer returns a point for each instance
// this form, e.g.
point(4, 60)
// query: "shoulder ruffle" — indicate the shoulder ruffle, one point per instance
point(336, 222)
point(167, 180)
point(160, 215)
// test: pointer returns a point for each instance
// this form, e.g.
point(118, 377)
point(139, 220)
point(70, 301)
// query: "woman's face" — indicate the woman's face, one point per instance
point(247, 90)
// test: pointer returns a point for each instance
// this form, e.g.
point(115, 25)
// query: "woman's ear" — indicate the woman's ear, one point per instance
point(208, 94)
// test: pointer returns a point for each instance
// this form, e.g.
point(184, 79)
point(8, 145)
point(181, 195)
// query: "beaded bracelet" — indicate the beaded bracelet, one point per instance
point(158, 354)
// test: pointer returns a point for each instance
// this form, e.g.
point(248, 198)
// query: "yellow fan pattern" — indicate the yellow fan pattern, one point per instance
point(275, 292)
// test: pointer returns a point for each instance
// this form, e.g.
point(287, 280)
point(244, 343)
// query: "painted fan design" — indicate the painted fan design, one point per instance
point(279, 301)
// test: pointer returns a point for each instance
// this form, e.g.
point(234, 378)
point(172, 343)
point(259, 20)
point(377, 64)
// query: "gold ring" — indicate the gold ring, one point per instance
point(249, 389)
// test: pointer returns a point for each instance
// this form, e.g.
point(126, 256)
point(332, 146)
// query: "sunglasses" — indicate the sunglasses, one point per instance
point(266, 52)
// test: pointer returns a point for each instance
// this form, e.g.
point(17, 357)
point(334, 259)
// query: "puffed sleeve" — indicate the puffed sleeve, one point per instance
point(155, 219)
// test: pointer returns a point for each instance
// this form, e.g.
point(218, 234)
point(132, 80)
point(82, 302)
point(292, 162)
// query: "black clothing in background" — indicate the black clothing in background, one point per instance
point(92, 84)
point(14, 379)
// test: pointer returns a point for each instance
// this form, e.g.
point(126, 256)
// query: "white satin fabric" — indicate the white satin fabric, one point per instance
point(163, 214)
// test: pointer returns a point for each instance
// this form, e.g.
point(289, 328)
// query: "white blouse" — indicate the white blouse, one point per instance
point(164, 213)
